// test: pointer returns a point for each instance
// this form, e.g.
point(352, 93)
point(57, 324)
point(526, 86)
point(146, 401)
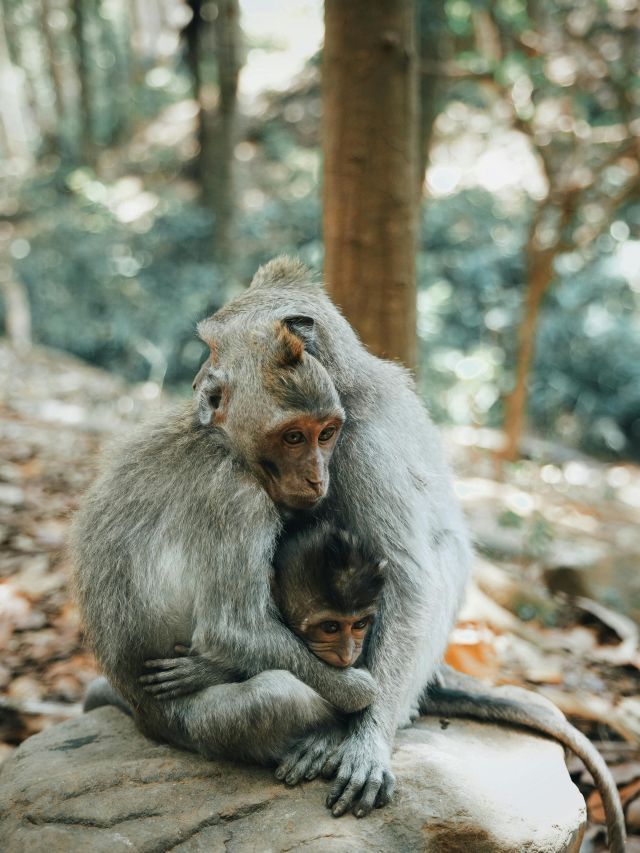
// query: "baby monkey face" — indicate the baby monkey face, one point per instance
point(336, 638)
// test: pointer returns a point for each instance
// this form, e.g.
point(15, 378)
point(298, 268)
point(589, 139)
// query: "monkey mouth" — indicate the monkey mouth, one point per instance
point(310, 500)
point(303, 501)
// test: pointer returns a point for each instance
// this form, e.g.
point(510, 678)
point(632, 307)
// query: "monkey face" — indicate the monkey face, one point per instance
point(275, 404)
point(294, 464)
point(335, 638)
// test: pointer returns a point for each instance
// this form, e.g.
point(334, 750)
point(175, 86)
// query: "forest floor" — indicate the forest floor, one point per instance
point(554, 606)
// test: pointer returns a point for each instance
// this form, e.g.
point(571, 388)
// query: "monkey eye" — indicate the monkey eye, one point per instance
point(327, 434)
point(361, 623)
point(329, 627)
point(293, 437)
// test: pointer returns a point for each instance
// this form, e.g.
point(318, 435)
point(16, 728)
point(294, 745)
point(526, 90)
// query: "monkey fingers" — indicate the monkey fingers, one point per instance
point(345, 790)
point(293, 768)
point(169, 690)
point(306, 759)
point(172, 677)
point(363, 779)
point(377, 797)
point(361, 796)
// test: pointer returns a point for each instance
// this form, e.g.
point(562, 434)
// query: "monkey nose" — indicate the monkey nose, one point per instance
point(316, 485)
point(345, 654)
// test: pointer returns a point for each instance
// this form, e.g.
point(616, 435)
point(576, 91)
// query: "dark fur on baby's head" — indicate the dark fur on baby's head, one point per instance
point(326, 567)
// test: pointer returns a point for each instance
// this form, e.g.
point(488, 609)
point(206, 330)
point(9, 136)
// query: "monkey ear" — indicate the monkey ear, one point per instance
point(304, 328)
point(289, 348)
point(200, 375)
point(210, 362)
point(210, 399)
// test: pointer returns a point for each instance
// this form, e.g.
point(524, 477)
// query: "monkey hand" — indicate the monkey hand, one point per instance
point(350, 689)
point(170, 678)
point(363, 777)
point(307, 758)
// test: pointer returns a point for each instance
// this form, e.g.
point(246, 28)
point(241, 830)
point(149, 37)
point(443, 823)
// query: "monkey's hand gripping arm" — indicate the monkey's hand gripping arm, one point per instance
point(188, 672)
point(191, 671)
point(270, 645)
point(358, 754)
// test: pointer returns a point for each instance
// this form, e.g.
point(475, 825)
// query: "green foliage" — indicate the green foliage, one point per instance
point(586, 381)
point(123, 287)
point(125, 299)
point(585, 386)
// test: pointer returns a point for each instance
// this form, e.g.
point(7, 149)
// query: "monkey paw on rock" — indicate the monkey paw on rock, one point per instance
point(360, 762)
point(309, 755)
point(363, 777)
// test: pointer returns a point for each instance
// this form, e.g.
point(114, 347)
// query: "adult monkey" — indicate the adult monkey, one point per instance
point(174, 543)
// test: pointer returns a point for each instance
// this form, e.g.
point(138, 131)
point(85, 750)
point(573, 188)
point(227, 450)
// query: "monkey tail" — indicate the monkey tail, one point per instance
point(445, 701)
point(100, 693)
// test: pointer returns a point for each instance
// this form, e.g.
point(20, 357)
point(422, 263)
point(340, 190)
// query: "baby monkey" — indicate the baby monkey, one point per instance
point(327, 586)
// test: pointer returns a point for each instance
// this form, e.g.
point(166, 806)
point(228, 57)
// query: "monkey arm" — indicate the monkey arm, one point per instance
point(272, 646)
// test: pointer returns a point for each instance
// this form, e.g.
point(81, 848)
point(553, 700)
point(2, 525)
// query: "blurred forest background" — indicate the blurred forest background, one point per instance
point(154, 152)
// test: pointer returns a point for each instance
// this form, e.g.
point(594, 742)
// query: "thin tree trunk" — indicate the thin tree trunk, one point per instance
point(540, 276)
point(82, 69)
point(117, 82)
point(370, 142)
point(17, 311)
point(56, 75)
point(17, 138)
point(219, 130)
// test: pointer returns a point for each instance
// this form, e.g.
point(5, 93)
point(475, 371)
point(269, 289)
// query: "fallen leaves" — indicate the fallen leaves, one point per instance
point(48, 459)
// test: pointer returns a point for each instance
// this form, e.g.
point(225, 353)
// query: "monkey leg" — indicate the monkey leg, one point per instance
point(100, 692)
point(255, 720)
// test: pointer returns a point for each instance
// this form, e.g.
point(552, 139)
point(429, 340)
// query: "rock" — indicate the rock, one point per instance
point(95, 783)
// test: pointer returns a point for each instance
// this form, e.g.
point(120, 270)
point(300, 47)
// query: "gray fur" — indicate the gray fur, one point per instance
point(174, 544)
point(318, 568)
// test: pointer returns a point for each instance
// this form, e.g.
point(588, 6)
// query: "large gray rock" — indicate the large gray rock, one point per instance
point(96, 784)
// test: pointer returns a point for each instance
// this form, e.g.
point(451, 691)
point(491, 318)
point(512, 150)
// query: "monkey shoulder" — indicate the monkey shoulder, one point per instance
point(170, 473)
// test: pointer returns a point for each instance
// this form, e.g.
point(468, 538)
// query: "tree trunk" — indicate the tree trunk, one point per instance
point(13, 119)
point(540, 276)
point(218, 125)
point(56, 78)
point(370, 145)
point(85, 121)
point(115, 38)
point(17, 311)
